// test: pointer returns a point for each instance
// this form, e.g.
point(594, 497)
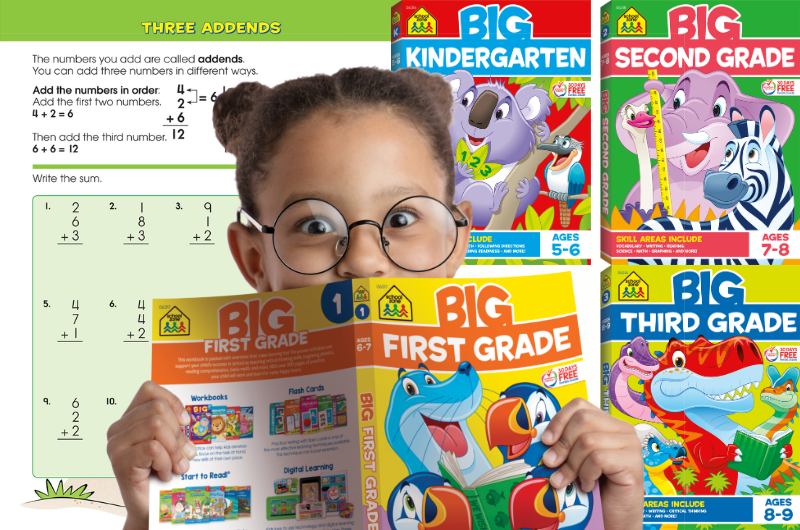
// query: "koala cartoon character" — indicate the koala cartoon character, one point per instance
point(492, 130)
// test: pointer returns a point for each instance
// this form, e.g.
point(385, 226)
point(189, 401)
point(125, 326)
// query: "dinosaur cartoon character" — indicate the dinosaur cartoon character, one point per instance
point(695, 116)
point(634, 360)
point(492, 130)
point(516, 422)
point(694, 389)
point(658, 455)
point(781, 395)
point(427, 417)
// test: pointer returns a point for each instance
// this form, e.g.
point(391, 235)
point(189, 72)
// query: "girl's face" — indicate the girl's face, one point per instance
point(363, 164)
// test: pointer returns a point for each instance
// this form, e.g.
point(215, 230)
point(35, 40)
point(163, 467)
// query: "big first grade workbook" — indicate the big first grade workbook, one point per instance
point(377, 403)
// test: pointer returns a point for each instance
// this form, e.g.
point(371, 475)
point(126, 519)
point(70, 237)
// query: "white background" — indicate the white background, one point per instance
point(275, 62)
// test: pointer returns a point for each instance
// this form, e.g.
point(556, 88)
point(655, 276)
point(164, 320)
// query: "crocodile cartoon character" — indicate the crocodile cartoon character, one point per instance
point(634, 360)
point(427, 417)
point(781, 396)
point(694, 390)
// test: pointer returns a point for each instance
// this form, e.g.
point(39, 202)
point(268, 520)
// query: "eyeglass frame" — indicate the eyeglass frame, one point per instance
point(270, 230)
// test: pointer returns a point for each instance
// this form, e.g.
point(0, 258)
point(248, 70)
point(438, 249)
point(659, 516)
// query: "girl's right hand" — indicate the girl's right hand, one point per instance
point(148, 438)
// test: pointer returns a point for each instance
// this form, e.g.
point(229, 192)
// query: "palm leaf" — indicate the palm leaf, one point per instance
point(532, 221)
point(584, 207)
point(547, 217)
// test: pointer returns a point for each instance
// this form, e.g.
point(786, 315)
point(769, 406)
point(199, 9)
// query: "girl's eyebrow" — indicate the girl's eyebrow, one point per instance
point(395, 193)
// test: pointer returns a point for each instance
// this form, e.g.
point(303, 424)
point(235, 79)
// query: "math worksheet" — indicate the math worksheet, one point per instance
point(156, 152)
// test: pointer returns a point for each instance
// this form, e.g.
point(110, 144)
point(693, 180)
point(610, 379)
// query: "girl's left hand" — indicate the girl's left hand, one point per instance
point(589, 444)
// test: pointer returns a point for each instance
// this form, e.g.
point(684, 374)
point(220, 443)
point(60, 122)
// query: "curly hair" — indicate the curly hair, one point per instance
point(250, 119)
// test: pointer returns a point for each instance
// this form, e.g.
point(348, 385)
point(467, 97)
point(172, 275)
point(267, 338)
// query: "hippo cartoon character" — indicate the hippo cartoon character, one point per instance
point(696, 116)
point(492, 130)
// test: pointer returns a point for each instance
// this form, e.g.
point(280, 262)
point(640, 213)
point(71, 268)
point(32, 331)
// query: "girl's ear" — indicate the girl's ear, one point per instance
point(248, 255)
point(457, 258)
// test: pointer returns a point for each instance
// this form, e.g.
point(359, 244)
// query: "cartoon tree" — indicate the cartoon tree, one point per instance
point(717, 482)
point(503, 219)
point(686, 477)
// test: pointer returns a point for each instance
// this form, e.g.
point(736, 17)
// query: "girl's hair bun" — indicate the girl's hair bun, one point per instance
point(232, 109)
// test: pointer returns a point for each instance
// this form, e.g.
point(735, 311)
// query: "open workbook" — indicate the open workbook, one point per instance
point(375, 403)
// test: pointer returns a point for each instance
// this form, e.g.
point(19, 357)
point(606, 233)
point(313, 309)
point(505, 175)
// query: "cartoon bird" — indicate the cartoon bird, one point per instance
point(564, 174)
point(424, 501)
point(537, 505)
point(515, 422)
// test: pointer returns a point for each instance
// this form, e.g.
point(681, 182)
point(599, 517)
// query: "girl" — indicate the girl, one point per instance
point(334, 172)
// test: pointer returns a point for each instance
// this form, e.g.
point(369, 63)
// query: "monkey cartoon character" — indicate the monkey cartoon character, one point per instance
point(492, 130)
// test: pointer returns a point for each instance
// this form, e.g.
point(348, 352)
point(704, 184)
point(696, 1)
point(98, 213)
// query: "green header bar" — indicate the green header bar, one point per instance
point(269, 20)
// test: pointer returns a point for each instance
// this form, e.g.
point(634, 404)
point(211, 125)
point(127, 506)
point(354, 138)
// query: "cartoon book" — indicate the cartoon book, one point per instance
point(538, 177)
point(272, 419)
point(197, 505)
point(165, 507)
point(231, 502)
point(291, 408)
point(219, 421)
point(200, 426)
point(243, 496)
point(245, 422)
point(280, 421)
point(488, 494)
point(309, 415)
point(339, 410)
point(178, 505)
point(325, 412)
point(217, 503)
point(232, 428)
point(760, 455)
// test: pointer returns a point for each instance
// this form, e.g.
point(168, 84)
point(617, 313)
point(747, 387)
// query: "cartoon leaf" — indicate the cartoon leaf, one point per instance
point(547, 218)
point(522, 80)
point(560, 102)
point(532, 221)
point(587, 104)
point(572, 103)
point(485, 261)
point(519, 227)
point(586, 223)
point(514, 261)
point(583, 208)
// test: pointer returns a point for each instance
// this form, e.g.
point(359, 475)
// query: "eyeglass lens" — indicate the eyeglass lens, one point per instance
point(311, 235)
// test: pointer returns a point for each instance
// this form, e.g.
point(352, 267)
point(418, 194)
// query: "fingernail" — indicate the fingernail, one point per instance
point(184, 418)
point(549, 457)
point(547, 438)
point(556, 479)
point(189, 450)
point(183, 466)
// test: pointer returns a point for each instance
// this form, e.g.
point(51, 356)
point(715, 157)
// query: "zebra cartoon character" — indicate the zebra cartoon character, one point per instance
point(752, 184)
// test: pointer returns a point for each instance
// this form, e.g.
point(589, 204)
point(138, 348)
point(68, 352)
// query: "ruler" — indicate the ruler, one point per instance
point(661, 149)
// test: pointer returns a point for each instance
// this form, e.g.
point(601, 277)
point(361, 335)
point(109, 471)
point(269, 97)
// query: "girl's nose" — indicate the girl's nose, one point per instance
point(364, 257)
